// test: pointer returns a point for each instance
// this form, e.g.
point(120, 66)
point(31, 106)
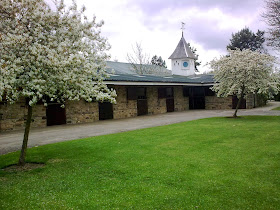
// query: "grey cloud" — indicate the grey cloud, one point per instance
point(201, 29)
point(205, 33)
point(230, 6)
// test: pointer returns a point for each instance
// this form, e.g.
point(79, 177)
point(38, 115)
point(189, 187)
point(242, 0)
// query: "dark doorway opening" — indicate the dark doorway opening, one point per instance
point(55, 114)
point(142, 102)
point(170, 104)
point(196, 97)
point(142, 107)
point(169, 99)
point(139, 94)
point(168, 94)
point(105, 111)
point(235, 101)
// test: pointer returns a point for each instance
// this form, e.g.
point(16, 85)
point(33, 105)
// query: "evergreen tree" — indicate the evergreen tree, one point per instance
point(196, 62)
point(246, 39)
point(158, 61)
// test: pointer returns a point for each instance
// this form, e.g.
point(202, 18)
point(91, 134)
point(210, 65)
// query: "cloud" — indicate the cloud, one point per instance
point(156, 24)
point(229, 6)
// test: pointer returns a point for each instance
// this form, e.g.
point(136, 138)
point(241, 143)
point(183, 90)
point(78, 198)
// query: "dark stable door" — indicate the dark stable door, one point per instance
point(197, 98)
point(105, 111)
point(235, 101)
point(142, 107)
point(55, 114)
point(170, 104)
point(197, 102)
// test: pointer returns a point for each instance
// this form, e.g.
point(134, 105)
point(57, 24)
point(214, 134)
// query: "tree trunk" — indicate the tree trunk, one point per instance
point(21, 161)
point(238, 104)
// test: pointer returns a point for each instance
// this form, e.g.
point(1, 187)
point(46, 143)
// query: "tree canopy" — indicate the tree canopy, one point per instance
point(57, 54)
point(158, 61)
point(246, 39)
point(272, 18)
point(142, 64)
point(196, 62)
point(244, 72)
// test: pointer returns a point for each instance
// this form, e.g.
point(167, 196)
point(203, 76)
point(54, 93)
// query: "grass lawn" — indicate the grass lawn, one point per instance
point(277, 108)
point(216, 163)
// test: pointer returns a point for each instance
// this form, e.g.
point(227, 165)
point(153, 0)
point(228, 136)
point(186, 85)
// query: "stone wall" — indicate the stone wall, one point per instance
point(124, 108)
point(250, 101)
point(81, 112)
point(181, 103)
point(12, 116)
point(214, 102)
point(155, 105)
point(255, 100)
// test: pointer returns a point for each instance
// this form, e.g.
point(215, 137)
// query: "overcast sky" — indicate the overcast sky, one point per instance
point(156, 24)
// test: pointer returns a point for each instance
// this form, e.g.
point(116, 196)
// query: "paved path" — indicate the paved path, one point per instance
point(12, 140)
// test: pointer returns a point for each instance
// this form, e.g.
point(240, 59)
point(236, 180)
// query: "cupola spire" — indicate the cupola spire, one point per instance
point(183, 28)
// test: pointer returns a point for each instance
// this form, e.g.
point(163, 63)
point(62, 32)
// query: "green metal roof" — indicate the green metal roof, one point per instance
point(125, 73)
point(197, 79)
point(127, 68)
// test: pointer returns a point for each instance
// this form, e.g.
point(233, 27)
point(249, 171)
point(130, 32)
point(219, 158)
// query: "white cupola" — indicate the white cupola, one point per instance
point(182, 59)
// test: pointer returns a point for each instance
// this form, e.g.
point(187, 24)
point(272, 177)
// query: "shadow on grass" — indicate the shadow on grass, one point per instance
point(27, 167)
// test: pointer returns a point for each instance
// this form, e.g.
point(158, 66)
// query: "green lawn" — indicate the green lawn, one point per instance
point(277, 108)
point(217, 163)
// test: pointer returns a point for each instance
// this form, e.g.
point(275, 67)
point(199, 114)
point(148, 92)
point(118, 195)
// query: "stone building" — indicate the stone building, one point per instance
point(158, 92)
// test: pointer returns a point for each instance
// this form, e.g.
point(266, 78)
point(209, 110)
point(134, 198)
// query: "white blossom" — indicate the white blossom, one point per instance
point(244, 71)
point(58, 54)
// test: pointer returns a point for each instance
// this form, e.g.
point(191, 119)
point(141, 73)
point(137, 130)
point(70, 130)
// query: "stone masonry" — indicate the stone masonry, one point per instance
point(81, 112)
point(214, 102)
point(155, 105)
point(181, 103)
point(124, 108)
point(12, 116)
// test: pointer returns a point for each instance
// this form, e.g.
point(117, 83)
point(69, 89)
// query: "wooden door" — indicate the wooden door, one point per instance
point(196, 98)
point(105, 111)
point(142, 107)
point(170, 104)
point(55, 114)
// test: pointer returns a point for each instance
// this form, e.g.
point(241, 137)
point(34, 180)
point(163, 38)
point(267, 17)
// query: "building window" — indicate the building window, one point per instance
point(134, 93)
point(165, 92)
point(186, 65)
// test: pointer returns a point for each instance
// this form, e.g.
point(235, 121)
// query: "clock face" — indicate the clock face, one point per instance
point(185, 64)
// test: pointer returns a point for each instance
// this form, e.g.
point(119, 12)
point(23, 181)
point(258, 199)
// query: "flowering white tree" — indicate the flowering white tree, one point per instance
point(243, 72)
point(57, 54)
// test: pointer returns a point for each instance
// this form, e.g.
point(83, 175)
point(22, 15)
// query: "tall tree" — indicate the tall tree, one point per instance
point(272, 18)
point(244, 72)
point(246, 39)
point(138, 57)
point(141, 64)
point(158, 61)
point(56, 54)
point(196, 62)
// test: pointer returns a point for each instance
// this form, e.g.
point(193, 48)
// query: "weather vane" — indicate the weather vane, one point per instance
point(183, 27)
